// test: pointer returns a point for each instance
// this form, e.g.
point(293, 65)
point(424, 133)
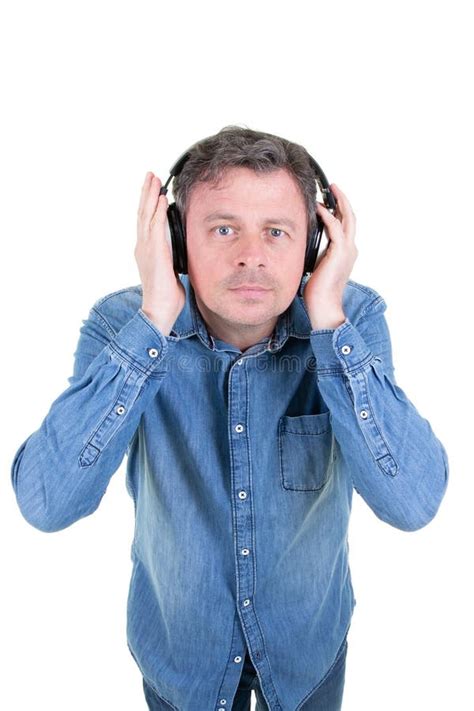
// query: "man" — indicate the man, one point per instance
point(250, 401)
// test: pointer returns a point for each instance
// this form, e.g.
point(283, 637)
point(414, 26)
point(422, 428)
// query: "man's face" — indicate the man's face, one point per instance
point(249, 230)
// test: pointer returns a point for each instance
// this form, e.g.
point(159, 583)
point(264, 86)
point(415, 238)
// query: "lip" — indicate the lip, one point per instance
point(250, 292)
point(250, 288)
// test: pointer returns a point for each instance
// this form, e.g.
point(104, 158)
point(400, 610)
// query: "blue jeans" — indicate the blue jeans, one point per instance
point(327, 697)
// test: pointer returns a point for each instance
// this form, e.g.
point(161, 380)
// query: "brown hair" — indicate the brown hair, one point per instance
point(235, 146)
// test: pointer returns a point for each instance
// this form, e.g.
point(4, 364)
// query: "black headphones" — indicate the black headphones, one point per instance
point(178, 234)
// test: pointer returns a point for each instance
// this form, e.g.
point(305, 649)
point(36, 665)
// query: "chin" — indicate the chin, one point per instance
point(251, 315)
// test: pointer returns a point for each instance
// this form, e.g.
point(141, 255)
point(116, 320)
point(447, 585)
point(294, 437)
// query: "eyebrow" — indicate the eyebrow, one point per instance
point(228, 216)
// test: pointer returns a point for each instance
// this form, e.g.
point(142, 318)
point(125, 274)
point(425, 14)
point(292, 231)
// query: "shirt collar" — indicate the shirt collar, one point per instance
point(293, 322)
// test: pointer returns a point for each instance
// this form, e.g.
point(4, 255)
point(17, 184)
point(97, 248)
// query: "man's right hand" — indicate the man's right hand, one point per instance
point(163, 293)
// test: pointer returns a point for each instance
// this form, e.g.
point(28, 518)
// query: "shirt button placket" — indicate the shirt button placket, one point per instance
point(244, 526)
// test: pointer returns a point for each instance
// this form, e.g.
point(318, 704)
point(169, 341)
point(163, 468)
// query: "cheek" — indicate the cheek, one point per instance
point(290, 270)
point(197, 261)
point(205, 277)
point(200, 257)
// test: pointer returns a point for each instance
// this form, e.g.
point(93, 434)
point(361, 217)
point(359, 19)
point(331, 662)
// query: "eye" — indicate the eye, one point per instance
point(228, 227)
point(277, 229)
point(223, 227)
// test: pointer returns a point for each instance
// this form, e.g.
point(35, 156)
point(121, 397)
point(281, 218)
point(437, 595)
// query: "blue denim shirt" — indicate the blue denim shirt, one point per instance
point(241, 467)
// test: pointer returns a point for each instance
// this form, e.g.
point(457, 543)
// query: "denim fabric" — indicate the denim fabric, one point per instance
point(241, 468)
point(327, 696)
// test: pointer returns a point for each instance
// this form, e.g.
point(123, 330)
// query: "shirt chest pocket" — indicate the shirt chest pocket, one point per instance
point(306, 448)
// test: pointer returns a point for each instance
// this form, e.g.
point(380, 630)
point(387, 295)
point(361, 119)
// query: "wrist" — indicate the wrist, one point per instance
point(327, 319)
point(162, 323)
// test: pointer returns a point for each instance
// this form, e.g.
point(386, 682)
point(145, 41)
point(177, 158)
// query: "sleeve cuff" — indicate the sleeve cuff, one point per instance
point(339, 350)
point(141, 343)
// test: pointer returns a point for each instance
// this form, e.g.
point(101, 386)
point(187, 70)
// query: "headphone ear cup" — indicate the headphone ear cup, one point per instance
point(178, 240)
point(312, 246)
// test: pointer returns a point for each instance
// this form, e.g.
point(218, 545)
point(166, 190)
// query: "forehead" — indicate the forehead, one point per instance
point(247, 188)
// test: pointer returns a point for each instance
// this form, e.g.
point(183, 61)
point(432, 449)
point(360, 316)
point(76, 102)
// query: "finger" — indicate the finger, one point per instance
point(151, 200)
point(332, 224)
point(144, 192)
point(345, 211)
point(160, 215)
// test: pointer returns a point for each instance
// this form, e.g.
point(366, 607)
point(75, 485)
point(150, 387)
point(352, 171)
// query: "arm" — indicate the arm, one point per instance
point(61, 471)
point(398, 465)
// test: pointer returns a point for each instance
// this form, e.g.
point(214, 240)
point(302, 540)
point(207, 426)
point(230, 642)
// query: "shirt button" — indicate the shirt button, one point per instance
point(239, 428)
point(242, 494)
point(223, 701)
point(246, 602)
point(120, 410)
point(152, 352)
point(240, 361)
point(220, 709)
point(237, 659)
point(364, 414)
point(245, 551)
point(346, 349)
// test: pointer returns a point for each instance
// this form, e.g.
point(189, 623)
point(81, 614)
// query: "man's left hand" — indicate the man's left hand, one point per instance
point(324, 290)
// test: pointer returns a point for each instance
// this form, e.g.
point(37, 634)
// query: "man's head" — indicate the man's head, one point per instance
point(247, 200)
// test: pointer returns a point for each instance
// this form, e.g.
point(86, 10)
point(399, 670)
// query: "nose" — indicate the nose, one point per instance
point(250, 251)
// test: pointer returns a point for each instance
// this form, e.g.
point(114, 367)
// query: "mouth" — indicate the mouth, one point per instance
point(251, 290)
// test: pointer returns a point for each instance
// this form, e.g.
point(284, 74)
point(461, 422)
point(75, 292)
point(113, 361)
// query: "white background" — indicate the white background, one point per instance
point(95, 94)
